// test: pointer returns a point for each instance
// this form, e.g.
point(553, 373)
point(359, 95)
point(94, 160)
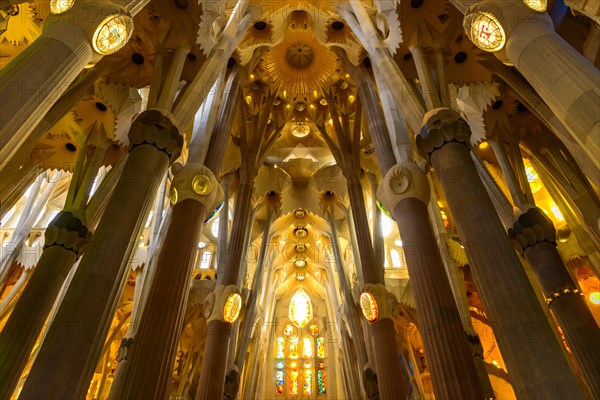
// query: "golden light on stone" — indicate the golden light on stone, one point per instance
point(485, 31)
point(112, 34)
point(301, 130)
point(173, 196)
point(300, 64)
point(536, 5)
point(201, 184)
point(300, 311)
point(60, 6)
point(595, 298)
point(232, 308)
point(368, 304)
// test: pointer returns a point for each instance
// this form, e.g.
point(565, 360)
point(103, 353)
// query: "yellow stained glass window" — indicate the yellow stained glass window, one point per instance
point(300, 311)
point(294, 353)
point(308, 381)
point(321, 347)
point(280, 347)
point(307, 347)
point(293, 382)
point(279, 382)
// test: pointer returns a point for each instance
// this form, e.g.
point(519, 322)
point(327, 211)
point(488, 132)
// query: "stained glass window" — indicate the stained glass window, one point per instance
point(279, 382)
point(293, 382)
point(288, 329)
point(307, 347)
point(321, 347)
point(294, 353)
point(280, 347)
point(308, 379)
point(321, 381)
point(300, 311)
point(313, 330)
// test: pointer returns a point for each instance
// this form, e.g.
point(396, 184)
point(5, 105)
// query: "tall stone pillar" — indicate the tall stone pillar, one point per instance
point(405, 190)
point(34, 81)
point(150, 355)
point(563, 77)
point(534, 237)
point(535, 361)
point(65, 237)
point(67, 360)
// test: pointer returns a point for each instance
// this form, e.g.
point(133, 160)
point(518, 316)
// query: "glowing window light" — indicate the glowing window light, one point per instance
point(112, 34)
point(205, 262)
point(532, 177)
point(536, 5)
point(556, 212)
point(279, 382)
point(288, 329)
point(396, 260)
point(149, 220)
point(280, 365)
point(321, 381)
point(294, 353)
point(214, 229)
point(321, 347)
point(307, 347)
point(308, 381)
point(313, 330)
point(280, 347)
point(486, 31)
point(386, 225)
point(300, 311)
point(293, 382)
point(7, 217)
point(595, 298)
point(60, 6)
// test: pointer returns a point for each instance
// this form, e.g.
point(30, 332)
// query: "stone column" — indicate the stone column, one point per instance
point(532, 353)
point(65, 238)
point(34, 81)
point(534, 237)
point(67, 360)
point(405, 190)
point(564, 78)
point(151, 353)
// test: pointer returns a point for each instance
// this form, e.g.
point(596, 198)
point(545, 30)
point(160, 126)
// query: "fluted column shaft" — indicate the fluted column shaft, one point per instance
point(64, 239)
point(152, 353)
point(532, 353)
point(453, 372)
point(67, 360)
point(392, 386)
point(534, 235)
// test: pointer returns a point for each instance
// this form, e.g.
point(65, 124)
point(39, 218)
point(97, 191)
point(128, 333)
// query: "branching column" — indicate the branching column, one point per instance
point(65, 238)
point(533, 355)
point(68, 358)
point(534, 236)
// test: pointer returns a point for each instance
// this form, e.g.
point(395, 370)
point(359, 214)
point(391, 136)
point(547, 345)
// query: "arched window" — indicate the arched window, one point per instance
point(396, 260)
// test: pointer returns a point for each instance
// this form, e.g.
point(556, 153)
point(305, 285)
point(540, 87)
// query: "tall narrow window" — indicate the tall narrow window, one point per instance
point(308, 381)
point(294, 382)
point(321, 381)
point(280, 347)
point(294, 353)
point(321, 347)
point(396, 260)
point(279, 382)
point(307, 347)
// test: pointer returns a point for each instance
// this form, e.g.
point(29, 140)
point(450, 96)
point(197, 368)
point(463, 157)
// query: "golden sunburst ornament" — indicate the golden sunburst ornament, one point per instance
point(300, 64)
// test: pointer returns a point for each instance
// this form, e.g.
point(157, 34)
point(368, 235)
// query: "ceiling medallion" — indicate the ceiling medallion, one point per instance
point(60, 6)
point(299, 213)
point(112, 34)
point(300, 64)
point(300, 276)
point(300, 247)
point(300, 130)
point(536, 5)
point(300, 263)
point(201, 184)
point(300, 232)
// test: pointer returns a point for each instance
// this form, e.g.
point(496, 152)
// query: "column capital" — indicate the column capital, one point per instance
point(402, 181)
point(68, 230)
point(530, 228)
point(196, 182)
point(377, 303)
point(157, 128)
point(441, 126)
point(223, 304)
